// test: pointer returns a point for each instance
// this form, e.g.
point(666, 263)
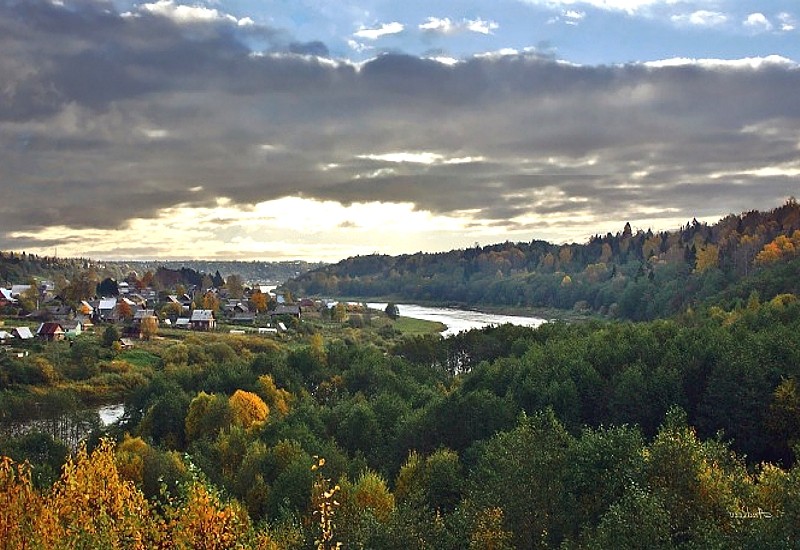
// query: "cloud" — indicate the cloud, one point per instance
point(378, 32)
point(184, 14)
point(446, 26)
point(627, 6)
point(758, 22)
point(142, 133)
point(787, 22)
point(701, 18)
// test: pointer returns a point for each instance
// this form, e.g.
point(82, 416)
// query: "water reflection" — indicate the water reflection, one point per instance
point(458, 320)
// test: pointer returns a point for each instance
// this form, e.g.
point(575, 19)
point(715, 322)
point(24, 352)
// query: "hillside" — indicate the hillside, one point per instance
point(631, 274)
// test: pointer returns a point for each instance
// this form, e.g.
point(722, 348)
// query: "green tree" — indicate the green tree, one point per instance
point(110, 336)
point(392, 311)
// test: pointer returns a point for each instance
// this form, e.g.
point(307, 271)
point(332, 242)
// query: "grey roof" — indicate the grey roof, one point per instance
point(142, 313)
point(108, 303)
point(202, 315)
point(286, 310)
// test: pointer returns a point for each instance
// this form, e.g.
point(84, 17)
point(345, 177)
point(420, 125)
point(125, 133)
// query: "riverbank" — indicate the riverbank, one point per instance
point(549, 314)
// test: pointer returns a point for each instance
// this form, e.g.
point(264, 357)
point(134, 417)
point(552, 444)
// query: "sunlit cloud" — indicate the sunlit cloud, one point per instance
point(378, 32)
point(185, 14)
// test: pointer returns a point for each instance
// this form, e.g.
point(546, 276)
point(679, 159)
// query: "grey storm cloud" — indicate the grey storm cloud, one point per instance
point(106, 117)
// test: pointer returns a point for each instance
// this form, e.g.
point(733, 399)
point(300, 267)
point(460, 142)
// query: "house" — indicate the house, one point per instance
point(293, 310)
point(125, 343)
point(72, 328)
point(142, 314)
point(243, 318)
point(203, 319)
point(19, 290)
point(105, 309)
point(51, 331)
point(23, 333)
point(85, 321)
point(59, 313)
point(6, 297)
point(182, 322)
point(5, 337)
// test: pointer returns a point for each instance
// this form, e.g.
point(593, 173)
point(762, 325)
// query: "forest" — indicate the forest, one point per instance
point(678, 432)
point(683, 433)
point(635, 275)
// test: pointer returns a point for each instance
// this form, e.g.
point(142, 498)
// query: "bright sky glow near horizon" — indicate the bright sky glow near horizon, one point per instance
point(274, 130)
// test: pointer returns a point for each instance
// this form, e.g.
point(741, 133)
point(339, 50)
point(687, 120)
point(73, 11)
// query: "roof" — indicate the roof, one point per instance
point(108, 303)
point(50, 329)
point(202, 315)
point(286, 310)
point(142, 313)
point(16, 290)
point(181, 322)
point(23, 333)
point(5, 335)
point(5, 293)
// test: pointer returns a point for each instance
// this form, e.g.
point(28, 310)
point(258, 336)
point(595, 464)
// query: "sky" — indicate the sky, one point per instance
point(318, 130)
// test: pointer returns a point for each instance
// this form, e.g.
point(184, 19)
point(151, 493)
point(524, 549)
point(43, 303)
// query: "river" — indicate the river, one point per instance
point(458, 320)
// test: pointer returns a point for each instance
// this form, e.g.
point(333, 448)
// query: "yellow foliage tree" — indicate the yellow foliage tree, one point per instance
point(149, 327)
point(707, 258)
point(489, 533)
point(276, 399)
point(371, 493)
point(130, 458)
point(95, 508)
point(205, 523)
point(21, 508)
point(248, 410)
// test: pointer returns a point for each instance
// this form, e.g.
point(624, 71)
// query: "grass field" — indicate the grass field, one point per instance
point(407, 325)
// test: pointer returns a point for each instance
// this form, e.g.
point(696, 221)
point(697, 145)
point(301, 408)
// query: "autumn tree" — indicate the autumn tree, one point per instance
point(149, 327)
point(707, 257)
point(248, 410)
point(339, 313)
point(124, 310)
point(259, 301)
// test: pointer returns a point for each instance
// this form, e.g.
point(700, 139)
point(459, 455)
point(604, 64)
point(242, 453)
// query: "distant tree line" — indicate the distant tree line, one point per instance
point(637, 275)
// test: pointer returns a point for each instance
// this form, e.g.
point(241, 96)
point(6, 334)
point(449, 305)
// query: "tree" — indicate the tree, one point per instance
point(259, 301)
point(235, 286)
point(339, 313)
point(110, 336)
point(208, 414)
point(392, 311)
point(149, 327)
point(124, 310)
point(247, 409)
point(108, 287)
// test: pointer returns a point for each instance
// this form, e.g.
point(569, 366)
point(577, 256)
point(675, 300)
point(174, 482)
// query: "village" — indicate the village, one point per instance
point(38, 312)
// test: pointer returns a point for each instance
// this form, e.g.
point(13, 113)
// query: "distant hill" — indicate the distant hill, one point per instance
point(20, 267)
point(631, 274)
point(250, 272)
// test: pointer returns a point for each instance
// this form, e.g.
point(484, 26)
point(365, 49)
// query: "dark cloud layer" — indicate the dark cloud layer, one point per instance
point(105, 117)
